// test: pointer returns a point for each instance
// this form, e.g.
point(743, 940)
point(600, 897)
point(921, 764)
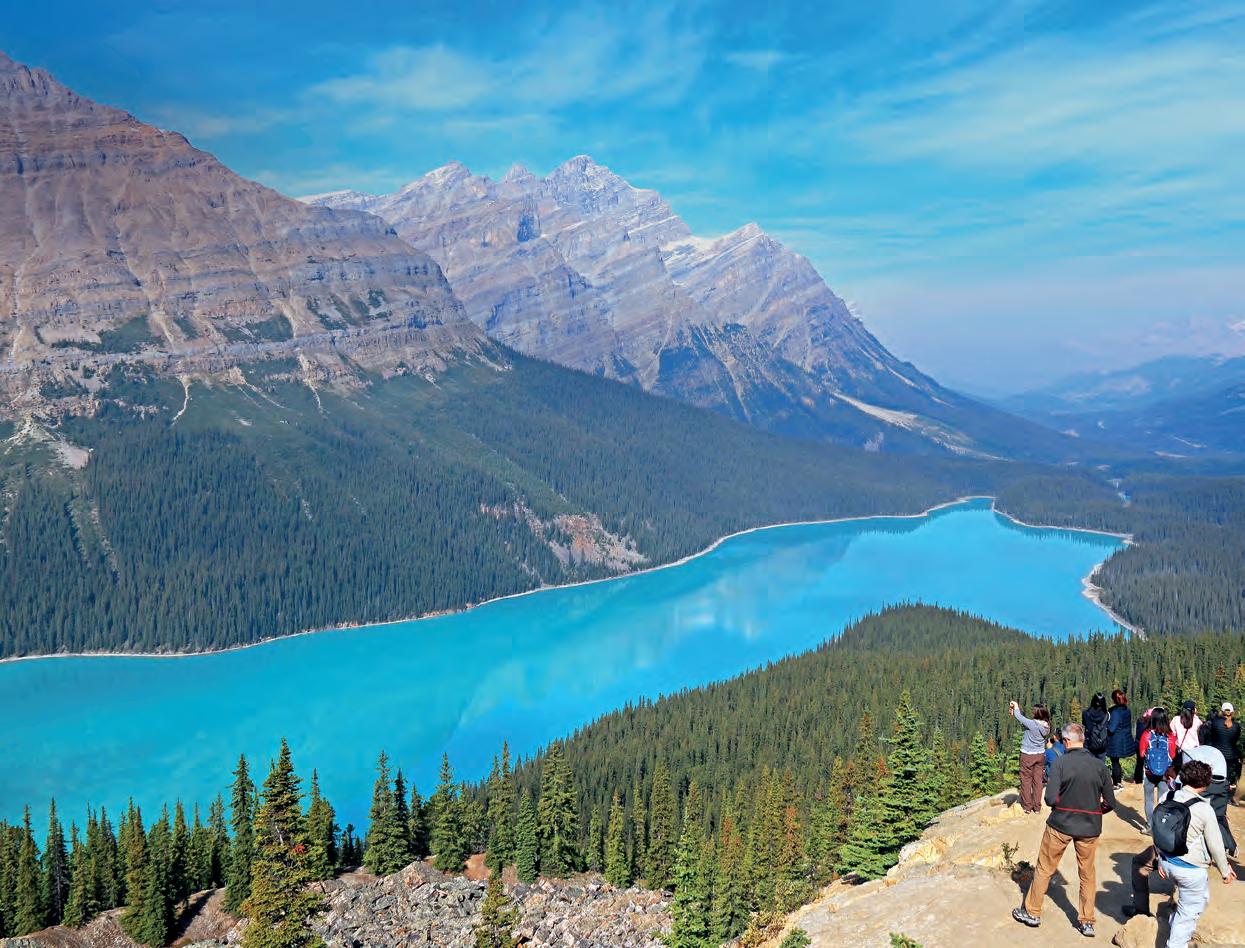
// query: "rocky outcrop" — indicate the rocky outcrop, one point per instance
point(958, 883)
point(420, 906)
point(121, 243)
point(583, 269)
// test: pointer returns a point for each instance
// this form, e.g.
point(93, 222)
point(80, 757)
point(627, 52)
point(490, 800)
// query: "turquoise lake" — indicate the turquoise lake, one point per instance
point(527, 669)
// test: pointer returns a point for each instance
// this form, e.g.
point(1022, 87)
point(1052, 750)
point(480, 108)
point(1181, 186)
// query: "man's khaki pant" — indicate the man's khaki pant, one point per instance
point(1053, 845)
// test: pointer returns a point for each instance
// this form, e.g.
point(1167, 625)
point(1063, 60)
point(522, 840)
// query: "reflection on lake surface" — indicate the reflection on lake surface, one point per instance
point(526, 669)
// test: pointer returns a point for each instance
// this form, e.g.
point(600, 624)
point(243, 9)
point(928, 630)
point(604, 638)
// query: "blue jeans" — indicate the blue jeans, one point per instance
point(1193, 888)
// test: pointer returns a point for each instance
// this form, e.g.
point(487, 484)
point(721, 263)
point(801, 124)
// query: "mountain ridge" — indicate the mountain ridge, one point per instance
point(122, 244)
point(582, 268)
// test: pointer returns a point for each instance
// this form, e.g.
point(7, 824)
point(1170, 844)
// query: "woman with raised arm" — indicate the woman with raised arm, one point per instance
point(1032, 754)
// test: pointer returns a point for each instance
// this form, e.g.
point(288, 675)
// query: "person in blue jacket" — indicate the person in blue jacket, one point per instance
point(1120, 740)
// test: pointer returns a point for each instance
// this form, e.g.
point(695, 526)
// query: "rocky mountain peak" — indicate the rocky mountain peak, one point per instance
point(518, 174)
point(122, 243)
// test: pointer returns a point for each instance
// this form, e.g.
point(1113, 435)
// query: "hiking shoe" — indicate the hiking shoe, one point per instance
point(1025, 918)
point(1086, 929)
point(1118, 787)
point(1131, 911)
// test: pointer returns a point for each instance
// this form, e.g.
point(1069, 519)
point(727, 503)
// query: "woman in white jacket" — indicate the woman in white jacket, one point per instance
point(1185, 727)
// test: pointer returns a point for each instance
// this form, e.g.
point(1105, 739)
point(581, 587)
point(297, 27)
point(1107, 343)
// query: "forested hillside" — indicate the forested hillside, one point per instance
point(1186, 570)
point(269, 508)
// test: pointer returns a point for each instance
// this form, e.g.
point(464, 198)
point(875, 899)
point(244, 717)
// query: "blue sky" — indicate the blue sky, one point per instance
point(1005, 191)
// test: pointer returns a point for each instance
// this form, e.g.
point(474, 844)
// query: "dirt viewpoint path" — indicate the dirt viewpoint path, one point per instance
point(951, 888)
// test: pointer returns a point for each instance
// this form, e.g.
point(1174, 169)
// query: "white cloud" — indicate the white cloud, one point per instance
point(581, 57)
point(761, 60)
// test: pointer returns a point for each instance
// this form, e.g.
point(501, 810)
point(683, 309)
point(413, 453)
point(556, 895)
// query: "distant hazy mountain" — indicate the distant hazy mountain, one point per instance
point(121, 243)
point(1179, 405)
point(583, 269)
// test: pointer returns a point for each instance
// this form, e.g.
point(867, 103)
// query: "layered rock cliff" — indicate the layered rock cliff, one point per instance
point(583, 269)
point(121, 243)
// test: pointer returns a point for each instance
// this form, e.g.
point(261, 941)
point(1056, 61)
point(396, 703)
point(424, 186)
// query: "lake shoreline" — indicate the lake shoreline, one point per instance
point(1090, 590)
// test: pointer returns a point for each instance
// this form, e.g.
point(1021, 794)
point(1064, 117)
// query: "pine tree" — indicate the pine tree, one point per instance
point(28, 910)
point(596, 841)
point(242, 850)
point(939, 785)
point(387, 847)
point(983, 767)
point(321, 833)
point(179, 861)
point(148, 918)
point(790, 885)
point(449, 836)
point(690, 909)
point(527, 842)
point(9, 847)
point(873, 838)
point(1221, 689)
point(220, 842)
point(199, 858)
point(501, 813)
point(731, 899)
point(402, 807)
point(558, 813)
point(421, 830)
point(55, 870)
point(909, 763)
point(348, 854)
point(638, 831)
point(662, 830)
point(281, 902)
point(497, 917)
point(617, 865)
point(107, 864)
point(79, 907)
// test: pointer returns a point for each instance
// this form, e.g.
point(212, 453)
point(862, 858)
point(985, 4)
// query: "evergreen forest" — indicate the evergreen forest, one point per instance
point(270, 508)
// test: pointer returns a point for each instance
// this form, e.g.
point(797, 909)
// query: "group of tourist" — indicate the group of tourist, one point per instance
point(1188, 769)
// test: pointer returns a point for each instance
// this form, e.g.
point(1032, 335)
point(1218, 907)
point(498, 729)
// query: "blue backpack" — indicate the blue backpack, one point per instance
point(1158, 756)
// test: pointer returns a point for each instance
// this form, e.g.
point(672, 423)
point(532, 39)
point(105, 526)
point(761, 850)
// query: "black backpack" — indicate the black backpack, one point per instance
point(1096, 739)
point(1171, 825)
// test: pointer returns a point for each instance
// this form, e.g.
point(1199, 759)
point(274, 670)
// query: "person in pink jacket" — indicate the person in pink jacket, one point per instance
point(1186, 727)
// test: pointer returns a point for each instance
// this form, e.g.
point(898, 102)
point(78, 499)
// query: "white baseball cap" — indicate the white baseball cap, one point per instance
point(1227, 708)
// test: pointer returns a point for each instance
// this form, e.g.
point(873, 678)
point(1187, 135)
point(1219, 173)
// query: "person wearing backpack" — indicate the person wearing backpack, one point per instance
point(1186, 836)
point(1158, 751)
point(1217, 793)
point(1120, 741)
point(1224, 733)
point(1143, 725)
point(1095, 720)
point(1032, 755)
point(1078, 794)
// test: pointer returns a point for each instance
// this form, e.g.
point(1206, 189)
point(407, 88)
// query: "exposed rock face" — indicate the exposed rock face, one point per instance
point(583, 269)
point(420, 906)
point(120, 242)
